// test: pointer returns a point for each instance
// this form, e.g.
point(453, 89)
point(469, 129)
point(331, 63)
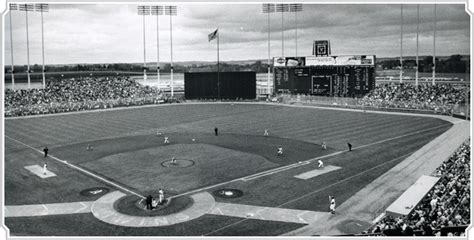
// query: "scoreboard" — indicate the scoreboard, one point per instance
point(348, 76)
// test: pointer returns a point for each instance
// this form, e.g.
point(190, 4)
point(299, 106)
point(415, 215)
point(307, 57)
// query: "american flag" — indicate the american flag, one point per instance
point(213, 35)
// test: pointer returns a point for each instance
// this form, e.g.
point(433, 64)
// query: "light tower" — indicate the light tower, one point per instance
point(268, 8)
point(296, 7)
point(12, 7)
point(42, 7)
point(171, 11)
point(27, 8)
point(157, 10)
point(144, 10)
point(401, 43)
point(282, 8)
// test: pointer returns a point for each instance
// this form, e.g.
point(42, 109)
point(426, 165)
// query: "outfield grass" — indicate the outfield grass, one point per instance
point(127, 151)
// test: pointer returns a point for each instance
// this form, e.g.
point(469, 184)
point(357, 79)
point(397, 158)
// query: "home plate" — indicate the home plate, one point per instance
point(317, 172)
point(38, 171)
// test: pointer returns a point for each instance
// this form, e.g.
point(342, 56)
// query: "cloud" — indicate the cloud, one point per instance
point(113, 32)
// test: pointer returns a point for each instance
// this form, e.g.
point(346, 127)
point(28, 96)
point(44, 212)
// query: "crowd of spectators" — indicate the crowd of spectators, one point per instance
point(446, 205)
point(85, 93)
point(441, 97)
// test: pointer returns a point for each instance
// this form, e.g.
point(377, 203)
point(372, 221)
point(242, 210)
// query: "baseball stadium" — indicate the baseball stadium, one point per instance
point(322, 146)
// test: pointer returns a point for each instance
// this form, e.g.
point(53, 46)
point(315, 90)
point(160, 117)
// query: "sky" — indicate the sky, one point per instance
point(113, 33)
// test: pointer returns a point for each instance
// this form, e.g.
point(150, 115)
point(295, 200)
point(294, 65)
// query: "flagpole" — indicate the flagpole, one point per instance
point(218, 70)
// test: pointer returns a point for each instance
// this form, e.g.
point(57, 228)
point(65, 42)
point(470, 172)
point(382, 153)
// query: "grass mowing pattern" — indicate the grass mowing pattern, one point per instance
point(303, 124)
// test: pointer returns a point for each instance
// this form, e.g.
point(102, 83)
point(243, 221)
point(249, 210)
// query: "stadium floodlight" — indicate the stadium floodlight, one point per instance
point(12, 7)
point(268, 8)
point(296, 7)
point(171, 11)
point(401, 43)
point(282, 8)
point(42, 7)
point(27, 8)
point(417, 34)
point(143, 11)
point(157, 10)
point(434, 44)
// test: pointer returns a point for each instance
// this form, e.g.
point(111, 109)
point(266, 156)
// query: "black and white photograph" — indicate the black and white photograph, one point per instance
point(230, 120)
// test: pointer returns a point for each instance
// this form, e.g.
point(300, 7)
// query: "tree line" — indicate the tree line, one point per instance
point(451, 64)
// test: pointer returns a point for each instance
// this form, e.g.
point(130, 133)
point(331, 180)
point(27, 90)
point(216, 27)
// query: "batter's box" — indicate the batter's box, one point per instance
point(38, 171)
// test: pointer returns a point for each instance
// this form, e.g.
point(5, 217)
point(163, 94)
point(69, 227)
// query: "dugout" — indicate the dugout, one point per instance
point(231, 85)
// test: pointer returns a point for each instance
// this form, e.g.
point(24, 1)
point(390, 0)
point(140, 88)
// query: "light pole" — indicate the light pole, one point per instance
point(157, 10)
point(12, 7)
point(296, 7)
point(171, 11)
point(268, 8)
point(42, 7)
point(401, 43)
point(417, 33)
point(434, 45)
point(27, 8)
point(282, 8)
point(144, 10)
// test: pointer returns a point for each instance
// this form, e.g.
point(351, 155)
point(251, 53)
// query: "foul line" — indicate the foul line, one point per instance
point(294, 165)
point(313, 192)
point(80, 169)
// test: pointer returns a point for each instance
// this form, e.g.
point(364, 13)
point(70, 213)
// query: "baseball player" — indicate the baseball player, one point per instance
point(166, 140)
point(320, 164)
point(45, 150)
point(266, 133)
point(161, 196)
point(45, 168)
point(332, 206)
point(280, 151)
point(173, 160)
point(323, 146)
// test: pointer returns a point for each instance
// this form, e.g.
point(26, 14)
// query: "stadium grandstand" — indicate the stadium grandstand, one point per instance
point(310, 146)
point(444, 211)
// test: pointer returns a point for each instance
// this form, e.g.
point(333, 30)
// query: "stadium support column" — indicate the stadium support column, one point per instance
point(218, 67)
point(401, 43)
point(417, 33)
point(434, 44)
point(12, 7)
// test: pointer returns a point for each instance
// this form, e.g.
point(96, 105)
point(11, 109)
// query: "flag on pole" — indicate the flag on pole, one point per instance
point(212, 35)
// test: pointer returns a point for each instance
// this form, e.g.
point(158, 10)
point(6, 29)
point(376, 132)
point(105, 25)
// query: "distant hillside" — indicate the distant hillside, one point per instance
point(454, 63)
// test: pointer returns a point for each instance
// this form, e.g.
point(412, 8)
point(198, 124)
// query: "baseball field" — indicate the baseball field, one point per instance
point(102, 164)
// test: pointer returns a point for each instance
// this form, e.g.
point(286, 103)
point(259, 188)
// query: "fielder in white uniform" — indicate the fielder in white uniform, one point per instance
point(166, 140)
point(320, 164)
point(45, 168)
point(332, 206)
point(280, 151)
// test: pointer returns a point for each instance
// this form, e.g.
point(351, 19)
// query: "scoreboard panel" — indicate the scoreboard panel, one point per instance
point(356, 78)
